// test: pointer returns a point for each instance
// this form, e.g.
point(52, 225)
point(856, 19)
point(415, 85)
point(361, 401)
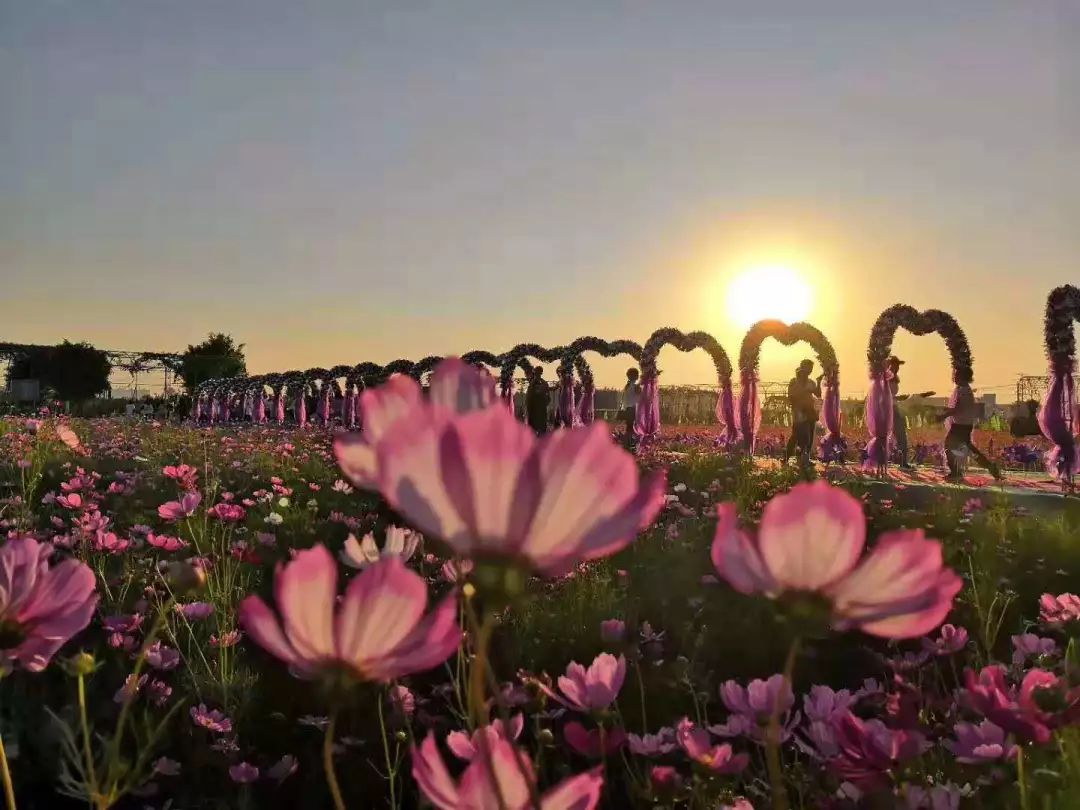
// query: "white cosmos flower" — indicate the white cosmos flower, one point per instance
point(274, 519)
point(398, 543)
point(283, 503)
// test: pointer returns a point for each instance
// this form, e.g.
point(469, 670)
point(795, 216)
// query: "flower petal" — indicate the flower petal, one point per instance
point(811, 536)
point(259, 621)
point(581, 792)
point(381, 607)
point(460, 387)
point(429, 771)
point(735, 557)
point(305, 591)
point(430, 643)
point(494, 778)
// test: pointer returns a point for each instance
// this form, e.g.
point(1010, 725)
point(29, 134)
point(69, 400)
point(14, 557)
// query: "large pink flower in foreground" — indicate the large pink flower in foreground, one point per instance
point(484, 484)
point(378, 633)
point(40, 607)
point(455, 386)
point(810, 541)
point(498, 779)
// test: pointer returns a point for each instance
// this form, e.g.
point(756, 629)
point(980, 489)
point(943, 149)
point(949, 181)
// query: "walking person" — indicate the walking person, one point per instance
point(962, 413)
point(899, 417)
point(537, 401)
point(803, 397)
point(628, 401)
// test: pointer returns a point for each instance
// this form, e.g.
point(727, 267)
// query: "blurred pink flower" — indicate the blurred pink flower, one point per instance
point(653, 745)
point(985, 742)
point(810, 541)
point(613, 631)
point(456, 570)
point(378, 632)
point(698, 746)
point(68, 437)
point(161, 657)
point(165, 542)
point(869, 750)
point(226, 512)
point(952, 640)
point(178, 510)
point(591, 742)
point(184, 474)
point(485, 485)
point(195, 611)
point(1055, 611)
point(1029, 645)
point(465, 746)
point(40, 607)
point(1012, 708)
point(501, 780)
point(396, 542)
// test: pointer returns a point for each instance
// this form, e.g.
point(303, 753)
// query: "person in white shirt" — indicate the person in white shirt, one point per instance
point(631, 393)
point(964, 411)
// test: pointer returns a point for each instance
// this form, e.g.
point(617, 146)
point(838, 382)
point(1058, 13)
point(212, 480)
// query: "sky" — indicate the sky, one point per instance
point(348, 181)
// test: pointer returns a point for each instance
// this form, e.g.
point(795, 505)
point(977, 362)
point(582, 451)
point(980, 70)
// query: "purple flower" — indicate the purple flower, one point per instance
point(697, 745)
point(985, 742)
point(195, 611)
point(613, 631)
point(1029, 645)
point(822, 703)
point(161, 657)
point(752, 707)
point(952, 639)
point(869, 750)
point(653, 745)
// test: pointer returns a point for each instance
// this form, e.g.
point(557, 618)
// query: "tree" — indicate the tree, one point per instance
point(217, 356)
point(75, 371)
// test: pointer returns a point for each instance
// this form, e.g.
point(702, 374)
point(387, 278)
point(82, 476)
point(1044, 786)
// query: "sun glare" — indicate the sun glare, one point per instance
point(773, 291)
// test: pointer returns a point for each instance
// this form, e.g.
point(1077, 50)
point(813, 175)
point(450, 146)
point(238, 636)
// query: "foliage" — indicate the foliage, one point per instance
point(74, 371)
point(216, 357)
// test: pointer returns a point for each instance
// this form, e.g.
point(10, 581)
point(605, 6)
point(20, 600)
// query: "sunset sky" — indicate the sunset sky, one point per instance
point(338, 182)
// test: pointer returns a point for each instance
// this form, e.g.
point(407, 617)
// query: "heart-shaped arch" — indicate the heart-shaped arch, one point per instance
point(749, 412)
point(879, 402)
point(1058, 416)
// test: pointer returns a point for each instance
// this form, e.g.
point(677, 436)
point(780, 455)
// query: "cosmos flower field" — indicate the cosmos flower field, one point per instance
point(443, 610)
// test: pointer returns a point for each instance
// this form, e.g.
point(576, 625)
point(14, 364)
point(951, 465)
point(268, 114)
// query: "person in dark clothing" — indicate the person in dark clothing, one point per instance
point(537, 401)
point(628, 401)
point(962, 413)
point(1021, 426)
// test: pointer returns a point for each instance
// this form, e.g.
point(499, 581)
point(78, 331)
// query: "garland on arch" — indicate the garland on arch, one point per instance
point(1058, 415)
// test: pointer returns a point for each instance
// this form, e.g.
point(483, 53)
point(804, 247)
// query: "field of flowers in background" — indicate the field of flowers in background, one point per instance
point(590, 636)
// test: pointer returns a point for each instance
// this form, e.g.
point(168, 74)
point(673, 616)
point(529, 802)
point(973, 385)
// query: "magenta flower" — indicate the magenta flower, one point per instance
point(1013, 709)
point(752, 708)
point(822, 703)
point(214, 720)
point(810, 541)
point(594, 742)
point(501, 779)
point(665, 780)
point(1056, 611)
point(161, 657)
point(485, 485)
point(178, 510)
point(466, 747)
point(985, 742)
point(226, 512)
point(455, 386)
point(40, 607)
point(184, 474)
point(378, 633)
point(593, 689)
point(165, 543)
point(869, 750)
point(243, 773)
point(698, 746)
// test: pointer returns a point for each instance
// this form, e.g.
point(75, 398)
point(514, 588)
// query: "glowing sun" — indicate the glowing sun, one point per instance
point(773, 291)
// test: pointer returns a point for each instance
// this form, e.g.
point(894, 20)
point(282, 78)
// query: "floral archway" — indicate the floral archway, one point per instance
point(647, 421)
point(749, 411)
point(879, 402)
point(585, 410)
point(1058, 416)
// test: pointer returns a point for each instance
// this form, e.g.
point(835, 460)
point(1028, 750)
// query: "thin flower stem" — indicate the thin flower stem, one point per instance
point(772, 738)
point(328, 762)
point(1021, 779)
point(88, 752)
point(391, 772)
point(9, 790)
point(641, 694)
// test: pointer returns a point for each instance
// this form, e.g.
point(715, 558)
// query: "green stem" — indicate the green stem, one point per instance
point(1021, 779)
point(772, 738)
point(391, 773)
point(478, 670)
point(88, 752)
point(328, 762)
point(5, 771)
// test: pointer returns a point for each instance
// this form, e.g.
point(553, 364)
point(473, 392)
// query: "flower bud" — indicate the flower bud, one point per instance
point(183, 577)
point(80, 664)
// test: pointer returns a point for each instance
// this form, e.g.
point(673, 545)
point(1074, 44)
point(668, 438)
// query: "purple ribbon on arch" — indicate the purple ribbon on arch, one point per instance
point(1057, 421)
point(879, 420)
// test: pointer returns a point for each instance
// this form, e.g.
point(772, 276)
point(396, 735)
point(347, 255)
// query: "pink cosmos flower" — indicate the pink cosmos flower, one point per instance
point(591, 742)
point(1056, 611)
point(593, 689)
point(984, 742)
point(1013, 709)
point(378, 632)
point(698, 746)
point(227, 512)
point(653, 745)
point(466, 747)
point(455, 386)
point(73, 501)
point(952, 640)
point(184, 474)
point(397, 541)
point(40, 607)
point(161, 657)
point(485, 485)
point(243, 773)
point(68, 437)
point(810, 541)
point(178, 510)
point(213, 720)
point(752, 708)
point(501, 780)
point(665, 780)
point(164, 542)
point(456, 570)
